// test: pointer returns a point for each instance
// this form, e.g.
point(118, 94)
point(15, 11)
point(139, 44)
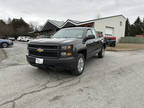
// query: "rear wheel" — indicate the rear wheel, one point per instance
point(80, 64)
point(113, 45)
point(4, 45)
point(101, 54)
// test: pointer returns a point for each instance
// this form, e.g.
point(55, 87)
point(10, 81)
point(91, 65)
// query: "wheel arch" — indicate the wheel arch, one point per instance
point(84, 52)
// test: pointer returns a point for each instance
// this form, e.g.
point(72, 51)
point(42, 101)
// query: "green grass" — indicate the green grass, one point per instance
point(132, 40)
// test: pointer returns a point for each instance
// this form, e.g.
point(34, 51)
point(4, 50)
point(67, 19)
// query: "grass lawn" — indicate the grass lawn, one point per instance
point(125, 47)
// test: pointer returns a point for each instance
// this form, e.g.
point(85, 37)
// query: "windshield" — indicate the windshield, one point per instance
point(69, 33)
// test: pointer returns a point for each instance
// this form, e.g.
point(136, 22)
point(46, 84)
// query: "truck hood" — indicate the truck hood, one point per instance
point(55, 41)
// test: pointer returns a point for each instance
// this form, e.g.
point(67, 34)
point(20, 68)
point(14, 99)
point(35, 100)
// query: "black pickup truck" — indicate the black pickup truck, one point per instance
point(69, 48)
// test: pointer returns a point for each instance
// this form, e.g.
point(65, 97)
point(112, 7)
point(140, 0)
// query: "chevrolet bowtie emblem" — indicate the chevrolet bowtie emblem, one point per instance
point(40, 50)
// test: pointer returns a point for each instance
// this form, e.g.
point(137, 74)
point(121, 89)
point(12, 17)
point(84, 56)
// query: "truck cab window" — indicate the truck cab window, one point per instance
point(94, 33)
point(89, 32)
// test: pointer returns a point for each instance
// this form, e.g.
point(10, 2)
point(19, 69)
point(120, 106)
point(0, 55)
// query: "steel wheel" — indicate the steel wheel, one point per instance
point(103, 52)
point(80, 64)
point(78, 68)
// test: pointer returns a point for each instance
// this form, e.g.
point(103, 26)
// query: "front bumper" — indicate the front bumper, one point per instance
point(11, 43)
point(62, 62)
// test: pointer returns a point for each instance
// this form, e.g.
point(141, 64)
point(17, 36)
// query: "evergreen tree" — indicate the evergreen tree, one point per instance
point(2, 22)
point(2, 28)
point(14, 27)
point(127, 28)
point(138, 26)
point(9, 21)
point(132, 30)
point(143, 26)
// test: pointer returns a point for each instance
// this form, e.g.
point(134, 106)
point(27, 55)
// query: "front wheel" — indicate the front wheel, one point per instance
point(4, 45)
point(80, 64)
point(101, 54)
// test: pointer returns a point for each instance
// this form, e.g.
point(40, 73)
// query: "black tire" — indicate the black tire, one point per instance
point(76, 71)
point(101, 53)
point(112, 45)
point(4, 45)
point(41, 68)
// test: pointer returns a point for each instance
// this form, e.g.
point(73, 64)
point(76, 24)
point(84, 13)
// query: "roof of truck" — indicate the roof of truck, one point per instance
point(78, 28)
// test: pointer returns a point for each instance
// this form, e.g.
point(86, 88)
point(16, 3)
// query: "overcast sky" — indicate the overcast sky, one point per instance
point(38, 11)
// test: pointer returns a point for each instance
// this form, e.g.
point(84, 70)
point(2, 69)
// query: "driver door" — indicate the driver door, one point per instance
point(90, 44)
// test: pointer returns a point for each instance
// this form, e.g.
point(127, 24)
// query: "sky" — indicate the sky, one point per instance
point(38, 12)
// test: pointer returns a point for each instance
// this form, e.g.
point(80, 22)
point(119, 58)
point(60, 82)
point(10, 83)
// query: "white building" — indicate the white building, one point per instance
point(110, 26)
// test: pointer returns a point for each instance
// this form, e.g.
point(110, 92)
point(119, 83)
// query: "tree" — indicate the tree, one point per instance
point(14, 27)
point(2, 27)
point(9, 21)
point(143, 26)
point(138, 26)
point(2, 22)
point(127, 28)
point(132, 30)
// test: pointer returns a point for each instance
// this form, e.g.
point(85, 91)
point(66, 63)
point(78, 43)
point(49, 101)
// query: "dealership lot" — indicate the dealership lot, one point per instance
point(2, 54)
point(116, 81)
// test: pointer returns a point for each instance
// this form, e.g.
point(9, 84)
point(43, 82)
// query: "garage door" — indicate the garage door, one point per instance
point(109, 31)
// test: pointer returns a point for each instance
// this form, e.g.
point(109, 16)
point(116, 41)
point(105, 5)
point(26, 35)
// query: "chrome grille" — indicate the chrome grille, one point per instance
point(48, 50)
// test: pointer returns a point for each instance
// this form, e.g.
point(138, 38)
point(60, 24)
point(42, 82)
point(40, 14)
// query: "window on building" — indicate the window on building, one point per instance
point(120, 23)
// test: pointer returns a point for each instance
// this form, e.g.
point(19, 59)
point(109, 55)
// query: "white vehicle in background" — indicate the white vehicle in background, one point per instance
point(27, 39)
point(24, 38)
point(19, 38)
point(11, 38)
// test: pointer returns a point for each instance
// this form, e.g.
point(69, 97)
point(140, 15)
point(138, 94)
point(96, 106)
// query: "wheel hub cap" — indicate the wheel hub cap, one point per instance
point(80, 65)
point(103, 52)
point(4, 45)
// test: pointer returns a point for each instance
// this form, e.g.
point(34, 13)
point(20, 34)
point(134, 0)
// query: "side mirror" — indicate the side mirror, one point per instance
point(100, 35)
point(89, 37)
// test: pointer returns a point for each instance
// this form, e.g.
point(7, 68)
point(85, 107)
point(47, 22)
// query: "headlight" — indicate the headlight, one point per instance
point(66, 50)
point(64, 54)
point(69, 47)
point(69, 53)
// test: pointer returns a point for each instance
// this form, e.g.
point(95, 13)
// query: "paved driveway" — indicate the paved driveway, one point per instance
point(116, 81)
point(2, 54)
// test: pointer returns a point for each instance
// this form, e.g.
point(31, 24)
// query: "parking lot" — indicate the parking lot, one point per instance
point(116, 81)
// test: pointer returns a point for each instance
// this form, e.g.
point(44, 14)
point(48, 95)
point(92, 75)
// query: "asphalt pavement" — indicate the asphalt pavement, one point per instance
point(116, 81)
point(2, 54)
